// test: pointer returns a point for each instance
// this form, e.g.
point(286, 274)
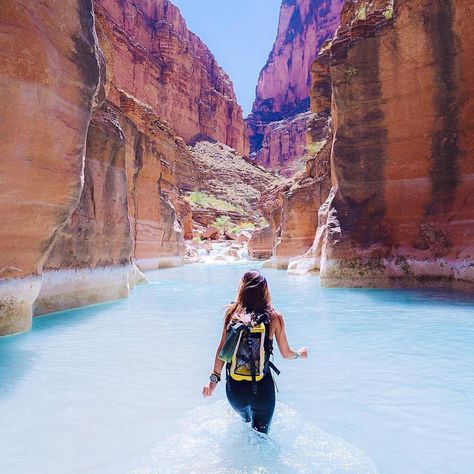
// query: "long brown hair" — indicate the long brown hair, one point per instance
point(253, 298)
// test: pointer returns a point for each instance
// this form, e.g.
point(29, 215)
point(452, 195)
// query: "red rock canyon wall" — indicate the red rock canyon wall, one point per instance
point(49, 73)
point(401, 208)
point(277, 124)
point(87, 202)
point(293, 209)
point(156, 59)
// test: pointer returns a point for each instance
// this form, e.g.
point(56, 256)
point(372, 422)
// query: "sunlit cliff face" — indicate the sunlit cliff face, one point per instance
point(284, 83)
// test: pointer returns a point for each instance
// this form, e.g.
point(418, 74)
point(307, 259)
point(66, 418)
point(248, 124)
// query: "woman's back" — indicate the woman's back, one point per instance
point(246, 346)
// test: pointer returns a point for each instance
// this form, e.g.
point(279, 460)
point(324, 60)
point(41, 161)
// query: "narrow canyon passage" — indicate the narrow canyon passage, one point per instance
point(115, 388)
point(346, 167)
point(135, 190)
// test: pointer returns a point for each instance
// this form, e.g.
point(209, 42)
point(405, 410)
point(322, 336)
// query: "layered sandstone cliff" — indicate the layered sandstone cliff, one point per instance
point(145, 164)
point(277, 124)
point(153, 57)
point(97, 111)
point(46, 91)
point(292, 208)
point(401, 208)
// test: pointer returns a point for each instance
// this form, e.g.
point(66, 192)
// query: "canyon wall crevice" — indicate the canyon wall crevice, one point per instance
point(292, 208)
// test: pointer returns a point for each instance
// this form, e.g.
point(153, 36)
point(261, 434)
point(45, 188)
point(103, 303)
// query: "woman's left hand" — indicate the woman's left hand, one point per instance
point(303, 353)
point(208, 389)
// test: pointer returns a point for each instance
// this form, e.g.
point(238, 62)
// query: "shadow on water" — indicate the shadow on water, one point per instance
point(428, 296)
point(74, 316)
point(15, 362)
point(18, 353)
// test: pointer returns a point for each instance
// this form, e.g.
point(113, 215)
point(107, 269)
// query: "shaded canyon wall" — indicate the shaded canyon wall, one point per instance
point(292, 208)
point(401, 208)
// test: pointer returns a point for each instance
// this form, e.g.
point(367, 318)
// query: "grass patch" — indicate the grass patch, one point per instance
point(238, 228)
point(201, 199)
point(247, 226)
point(260, 224)
point(314, 148)
point(224, 223)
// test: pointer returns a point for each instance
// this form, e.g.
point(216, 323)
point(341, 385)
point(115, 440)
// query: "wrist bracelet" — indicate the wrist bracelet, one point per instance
point(298, 355)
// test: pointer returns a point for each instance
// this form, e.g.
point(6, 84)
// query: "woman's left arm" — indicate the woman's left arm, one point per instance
point(280, 335)
point(218, 365)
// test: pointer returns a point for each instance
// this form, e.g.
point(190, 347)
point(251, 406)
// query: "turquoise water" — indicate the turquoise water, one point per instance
point(115, 388)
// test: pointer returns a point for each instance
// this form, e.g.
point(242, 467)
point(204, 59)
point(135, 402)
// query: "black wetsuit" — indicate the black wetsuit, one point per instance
point(253, 406)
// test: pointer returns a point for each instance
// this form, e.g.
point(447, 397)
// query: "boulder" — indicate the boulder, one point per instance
point(211, 233)
point(230, 235)
point(260, 246)
point(243, 237)
point(232, 253)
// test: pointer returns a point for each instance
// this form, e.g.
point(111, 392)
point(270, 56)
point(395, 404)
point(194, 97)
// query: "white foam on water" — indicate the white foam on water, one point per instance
point(212, 439)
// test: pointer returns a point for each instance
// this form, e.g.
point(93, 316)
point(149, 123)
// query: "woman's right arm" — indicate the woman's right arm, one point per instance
point(285, 349)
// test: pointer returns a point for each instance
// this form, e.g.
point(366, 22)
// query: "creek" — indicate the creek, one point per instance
point(116, 388)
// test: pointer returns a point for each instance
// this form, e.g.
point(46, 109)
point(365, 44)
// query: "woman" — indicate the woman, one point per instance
point(253, 400)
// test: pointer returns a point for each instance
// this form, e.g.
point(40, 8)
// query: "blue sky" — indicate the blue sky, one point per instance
point(240, 33)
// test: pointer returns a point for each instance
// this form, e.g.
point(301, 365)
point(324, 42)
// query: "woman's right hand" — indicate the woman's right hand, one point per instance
point(208, 389)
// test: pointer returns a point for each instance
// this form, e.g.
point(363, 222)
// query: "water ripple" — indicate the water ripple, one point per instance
point(212, 439)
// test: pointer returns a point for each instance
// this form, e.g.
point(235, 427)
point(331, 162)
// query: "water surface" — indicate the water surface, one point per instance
point(115, 388)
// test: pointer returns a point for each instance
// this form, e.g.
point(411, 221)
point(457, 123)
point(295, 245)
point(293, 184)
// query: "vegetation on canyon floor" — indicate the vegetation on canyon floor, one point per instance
point(205, 200)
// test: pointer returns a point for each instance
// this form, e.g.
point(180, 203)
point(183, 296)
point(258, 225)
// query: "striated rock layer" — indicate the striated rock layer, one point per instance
point(88, 199)
point(154, 157)
point(277, 124)
point(284, 145)
point(234, 182)
point(46, 91)
point(401, 208)
point(292, 209)
point(154, 57)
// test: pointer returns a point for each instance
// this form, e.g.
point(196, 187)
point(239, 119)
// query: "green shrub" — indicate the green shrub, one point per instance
point(222, 222)
point(314, 148)
point(350, 73)
point(388, 13)
point(197, 197)
point(247, 226)
point(362, 12)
